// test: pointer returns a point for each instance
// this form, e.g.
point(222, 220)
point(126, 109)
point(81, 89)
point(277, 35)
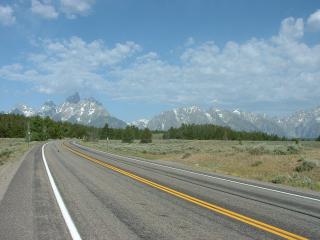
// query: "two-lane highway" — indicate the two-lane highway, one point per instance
point(113, 197)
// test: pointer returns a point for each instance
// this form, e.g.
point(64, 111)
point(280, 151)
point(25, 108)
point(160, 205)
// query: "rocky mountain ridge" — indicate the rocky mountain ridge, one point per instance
point(302, 124)
point(86, 111)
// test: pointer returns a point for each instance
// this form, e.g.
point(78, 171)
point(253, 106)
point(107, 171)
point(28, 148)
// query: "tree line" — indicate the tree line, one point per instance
point(39, 129)
point(214, 132)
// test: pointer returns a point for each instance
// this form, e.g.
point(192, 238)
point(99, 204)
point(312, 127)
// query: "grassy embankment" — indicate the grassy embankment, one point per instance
point(12, 149)
point(286, 162)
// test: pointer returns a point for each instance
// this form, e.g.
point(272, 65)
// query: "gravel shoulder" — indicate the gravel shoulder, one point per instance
point(10, 164)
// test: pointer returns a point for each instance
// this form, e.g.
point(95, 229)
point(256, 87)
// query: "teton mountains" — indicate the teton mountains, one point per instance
point(88, 111)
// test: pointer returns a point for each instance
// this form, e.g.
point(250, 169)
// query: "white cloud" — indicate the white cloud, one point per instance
point(314, 21)
point(73, 8)
point(70, 8)
point(69, 64)
point(276, 70)
point(44, 9)
point(6, 16)
point(291, 29)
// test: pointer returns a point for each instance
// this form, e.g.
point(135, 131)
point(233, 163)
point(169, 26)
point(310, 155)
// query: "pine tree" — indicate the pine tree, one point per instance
point(128, 135)
point(146, 136)
point(36, 127)
point(104, 133)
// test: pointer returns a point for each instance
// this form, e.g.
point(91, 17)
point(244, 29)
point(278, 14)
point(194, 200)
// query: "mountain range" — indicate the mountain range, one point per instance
point(302, 124)
point(88, 111)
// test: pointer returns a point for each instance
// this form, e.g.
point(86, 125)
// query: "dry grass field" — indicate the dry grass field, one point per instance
point(12, 149)
point(287, 162)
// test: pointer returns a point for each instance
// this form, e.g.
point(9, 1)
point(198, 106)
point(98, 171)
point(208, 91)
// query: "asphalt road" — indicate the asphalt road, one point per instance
point(113, 197)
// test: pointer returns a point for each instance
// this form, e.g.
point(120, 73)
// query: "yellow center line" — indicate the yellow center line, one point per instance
point(210, 206)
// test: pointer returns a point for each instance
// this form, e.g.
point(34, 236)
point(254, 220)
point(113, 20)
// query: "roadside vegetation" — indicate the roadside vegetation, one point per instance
point(293, 163)
point(12, 149)
point(253, 155)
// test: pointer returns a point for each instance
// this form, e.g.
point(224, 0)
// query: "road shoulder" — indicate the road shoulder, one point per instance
point(8, 171)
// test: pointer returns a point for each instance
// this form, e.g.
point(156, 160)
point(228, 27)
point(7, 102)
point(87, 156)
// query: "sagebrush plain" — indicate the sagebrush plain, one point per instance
point(290, 163)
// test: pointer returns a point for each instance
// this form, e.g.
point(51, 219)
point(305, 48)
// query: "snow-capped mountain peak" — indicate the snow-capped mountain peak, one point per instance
point(86, 111)
point(23, 109)
point(48, 109)
point(304, 124)
point(236, 111)
point(83, 111)
point(178, 116)
point(75, 98)
point(191, 109)
point(140, 123)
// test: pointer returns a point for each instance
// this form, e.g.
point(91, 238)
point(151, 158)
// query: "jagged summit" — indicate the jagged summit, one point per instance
point(49, 103)
point(93, 100)
point(86, 111)
point(48, 109)
point(75, 98)
point(305, 124)
point(141, 123)
point(23, 109)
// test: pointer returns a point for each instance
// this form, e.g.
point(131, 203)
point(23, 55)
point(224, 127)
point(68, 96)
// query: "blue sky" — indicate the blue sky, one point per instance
point(141, 57)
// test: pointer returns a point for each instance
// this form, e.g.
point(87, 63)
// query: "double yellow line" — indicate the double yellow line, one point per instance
point(212, 207)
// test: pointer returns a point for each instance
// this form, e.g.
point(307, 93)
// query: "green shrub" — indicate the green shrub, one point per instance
point(305, 166)
point(186, 155)
point(279, 179)
point(5, 153)
point(300, 159)
point(257, 150)
point(296, 141)
point(280, 151)
point(293, 149)
point(256, 163)
point(296, 180)
point(146, 140)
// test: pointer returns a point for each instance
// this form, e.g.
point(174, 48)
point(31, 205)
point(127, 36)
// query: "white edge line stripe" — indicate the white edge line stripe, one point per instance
point(65, 213)
point(205, 175)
